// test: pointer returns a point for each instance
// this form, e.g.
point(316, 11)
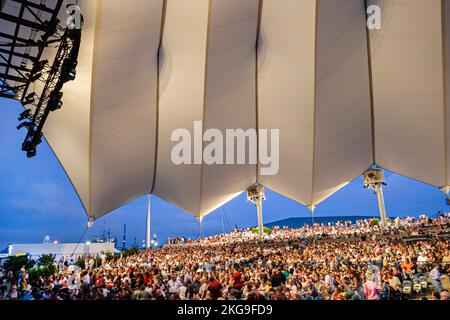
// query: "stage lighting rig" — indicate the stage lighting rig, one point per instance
point(55, 102)
point(24, 125)
point(62, 71)
point(35, 77)
point(51, 29)
point(69, 72)
point(29, 99)
point(21, 63)
point(25, 115)
point(39, 66)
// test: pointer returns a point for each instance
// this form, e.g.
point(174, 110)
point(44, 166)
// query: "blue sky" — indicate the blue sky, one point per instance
point(37, 199)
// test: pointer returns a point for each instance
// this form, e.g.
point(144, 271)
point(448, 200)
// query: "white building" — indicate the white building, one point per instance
point(60, 249)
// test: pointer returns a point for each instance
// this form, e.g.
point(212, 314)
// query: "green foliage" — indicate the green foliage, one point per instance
point(109, 256)
point(267, 231)
point(131, 252)
point(47, 265)
point(47, 271)
point(44, 267)
point(374, 222)
point(33, 274)
point(46, 259)
point(80, 263)
point(14, 263)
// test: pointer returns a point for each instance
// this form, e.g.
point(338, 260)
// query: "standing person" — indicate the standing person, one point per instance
point(237, 279)
point(21, 276)
point(446, 261)
point(184, 290)
point(103, 257)
point(394, 283)
point(174, 285)
point(195, 287)
point(203, 288)
point(215, 288)
point(371, 289)
point(422, 261)
point(329, 281)
point(91, 263)
point(86, 262)
point(435, 277)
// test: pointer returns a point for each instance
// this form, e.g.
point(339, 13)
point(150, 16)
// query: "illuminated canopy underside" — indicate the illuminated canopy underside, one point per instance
point(342, 101)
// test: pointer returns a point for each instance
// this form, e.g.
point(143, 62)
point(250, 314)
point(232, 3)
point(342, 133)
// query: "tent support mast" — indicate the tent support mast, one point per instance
point(311, 209)
point(200, 227)
point(147, 231)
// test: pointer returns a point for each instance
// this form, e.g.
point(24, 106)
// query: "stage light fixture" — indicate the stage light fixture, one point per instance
point(55, 102)
point(24, 125)
point(35, 77)
point(69, 72)
point(29, 99)
point(32, 152)
point(39, 66)
point(31, 96)
point(25, 115)
point(51, 29)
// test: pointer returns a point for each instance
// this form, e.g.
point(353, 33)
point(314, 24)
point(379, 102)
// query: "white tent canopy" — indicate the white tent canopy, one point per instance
point(343, 97)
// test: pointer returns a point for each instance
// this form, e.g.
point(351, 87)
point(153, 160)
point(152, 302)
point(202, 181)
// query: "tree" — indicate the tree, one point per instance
point(131, 252)
point(80, 263)
point(46, 265)
point(46, 259)
point(267, 231)
point(15, 263)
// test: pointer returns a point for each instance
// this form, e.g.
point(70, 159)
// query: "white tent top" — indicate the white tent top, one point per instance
point(343, 97)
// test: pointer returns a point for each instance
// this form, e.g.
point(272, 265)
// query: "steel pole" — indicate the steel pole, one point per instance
point(147, 234)
point(260, 217)
point(381, 206)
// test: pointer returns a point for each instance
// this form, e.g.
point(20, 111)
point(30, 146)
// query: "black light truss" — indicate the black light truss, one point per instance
point(15, 77)
point(62, 71)
point(21, 64)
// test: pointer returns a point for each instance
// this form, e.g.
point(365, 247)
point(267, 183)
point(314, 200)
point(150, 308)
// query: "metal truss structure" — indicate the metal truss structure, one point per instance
point(28, 28)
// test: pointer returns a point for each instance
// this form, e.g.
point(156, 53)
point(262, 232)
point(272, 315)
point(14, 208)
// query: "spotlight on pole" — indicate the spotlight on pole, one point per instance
point(24, 125)
point(29, 99)
point(25, 115)
point(50, 29)
point(69, 72)
point(39, 66)
point(55, 102)
point(35, 77)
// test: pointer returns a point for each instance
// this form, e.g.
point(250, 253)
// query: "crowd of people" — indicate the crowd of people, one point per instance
point(361, 229)
point(241, 266)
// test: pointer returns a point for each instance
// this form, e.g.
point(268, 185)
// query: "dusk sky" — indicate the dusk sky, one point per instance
point(37, 199)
